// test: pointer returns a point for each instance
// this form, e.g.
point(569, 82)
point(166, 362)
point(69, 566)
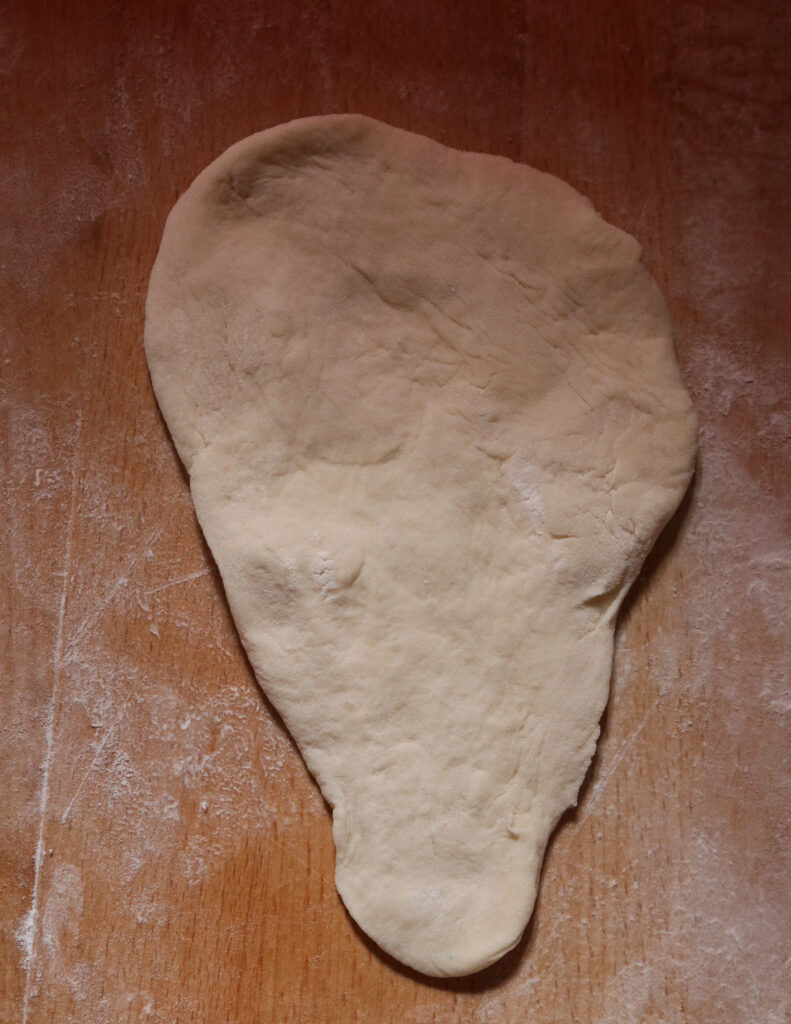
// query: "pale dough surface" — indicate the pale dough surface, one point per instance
point(433, 423)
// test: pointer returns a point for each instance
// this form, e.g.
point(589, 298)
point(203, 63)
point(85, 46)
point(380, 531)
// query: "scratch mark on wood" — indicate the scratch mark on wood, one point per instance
point(601, 785)
point(81, 631)
point(95, 761)
point(288, 852)
point(176, 582)
point(57, 669)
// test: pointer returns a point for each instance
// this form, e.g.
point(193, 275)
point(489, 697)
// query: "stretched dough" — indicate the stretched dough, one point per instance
point(433, 423)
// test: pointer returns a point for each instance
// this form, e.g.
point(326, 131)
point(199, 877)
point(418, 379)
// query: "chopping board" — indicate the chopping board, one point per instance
point(164, 854)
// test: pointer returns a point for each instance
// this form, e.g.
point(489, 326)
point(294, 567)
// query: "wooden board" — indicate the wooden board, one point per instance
point(164, 855)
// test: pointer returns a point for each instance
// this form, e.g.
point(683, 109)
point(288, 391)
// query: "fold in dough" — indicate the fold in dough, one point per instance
point(433, 423)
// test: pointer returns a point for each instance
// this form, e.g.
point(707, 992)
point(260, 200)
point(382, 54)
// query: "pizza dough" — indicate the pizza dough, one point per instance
point(433, 423)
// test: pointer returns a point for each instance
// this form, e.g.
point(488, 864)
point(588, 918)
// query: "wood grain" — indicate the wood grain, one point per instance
point(164, 855)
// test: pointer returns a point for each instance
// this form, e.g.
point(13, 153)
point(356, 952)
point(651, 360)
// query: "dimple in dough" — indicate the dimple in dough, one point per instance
point(433, 423)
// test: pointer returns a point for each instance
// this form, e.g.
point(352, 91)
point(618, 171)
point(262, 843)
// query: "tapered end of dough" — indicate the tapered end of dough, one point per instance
point(444, 906)
point(441, 927)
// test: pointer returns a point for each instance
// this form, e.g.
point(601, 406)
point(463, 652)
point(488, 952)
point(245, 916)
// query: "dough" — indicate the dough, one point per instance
point(433, 423)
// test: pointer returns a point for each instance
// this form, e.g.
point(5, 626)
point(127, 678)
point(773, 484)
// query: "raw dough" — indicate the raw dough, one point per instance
point(433, 423)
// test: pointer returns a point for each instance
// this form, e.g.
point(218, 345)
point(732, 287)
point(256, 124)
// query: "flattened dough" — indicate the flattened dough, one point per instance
point(432, 420)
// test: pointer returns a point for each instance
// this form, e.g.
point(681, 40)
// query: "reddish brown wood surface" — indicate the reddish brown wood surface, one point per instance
point(164, 855)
